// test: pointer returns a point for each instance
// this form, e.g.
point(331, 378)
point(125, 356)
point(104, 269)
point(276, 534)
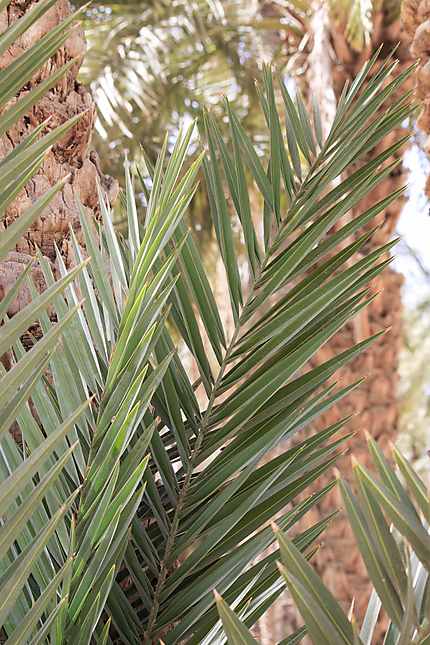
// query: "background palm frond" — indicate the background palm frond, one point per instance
point(151, 67)
point(355, 17)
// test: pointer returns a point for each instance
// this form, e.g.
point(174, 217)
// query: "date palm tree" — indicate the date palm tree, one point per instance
point(130, 491)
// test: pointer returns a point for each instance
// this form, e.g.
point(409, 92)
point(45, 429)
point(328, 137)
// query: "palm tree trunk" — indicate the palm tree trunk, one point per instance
point(416, 25)
point(71, 156)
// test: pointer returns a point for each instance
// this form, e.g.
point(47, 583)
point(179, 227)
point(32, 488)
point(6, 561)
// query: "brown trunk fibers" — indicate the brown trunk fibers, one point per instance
point(71, 156)
point(416, 24)
point(374, 404)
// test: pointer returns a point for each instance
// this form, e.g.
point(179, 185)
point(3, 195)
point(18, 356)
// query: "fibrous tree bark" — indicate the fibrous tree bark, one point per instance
point(416, 25)
point(70, 157)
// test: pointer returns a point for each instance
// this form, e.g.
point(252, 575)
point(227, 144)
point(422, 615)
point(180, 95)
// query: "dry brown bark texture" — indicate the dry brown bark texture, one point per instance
point(416, 24)
point(71, 156)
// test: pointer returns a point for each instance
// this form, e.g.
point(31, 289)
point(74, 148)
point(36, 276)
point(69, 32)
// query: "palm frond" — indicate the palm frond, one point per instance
point(355, 18)
point(26, 529)
point(142, 490)
point(396, 561)
point(220, 495)
point(98, 465)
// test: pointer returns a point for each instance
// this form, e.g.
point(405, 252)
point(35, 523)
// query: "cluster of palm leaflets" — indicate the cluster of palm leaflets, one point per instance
point(389, 515)
point(128, 500)
point(70, 488)
point(30, 575)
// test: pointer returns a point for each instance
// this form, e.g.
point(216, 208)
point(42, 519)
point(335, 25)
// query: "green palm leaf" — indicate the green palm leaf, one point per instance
point(219, 497)
point(395, 562)
point(137, 490)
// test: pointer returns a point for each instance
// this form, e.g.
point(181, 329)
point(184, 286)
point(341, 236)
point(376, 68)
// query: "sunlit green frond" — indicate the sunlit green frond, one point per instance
point(110, 435)
point(30, 582)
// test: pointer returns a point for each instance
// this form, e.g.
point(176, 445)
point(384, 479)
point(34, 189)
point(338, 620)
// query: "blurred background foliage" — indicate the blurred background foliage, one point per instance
point(153, 65)
point(413, 260)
